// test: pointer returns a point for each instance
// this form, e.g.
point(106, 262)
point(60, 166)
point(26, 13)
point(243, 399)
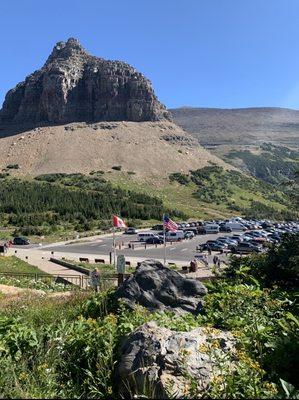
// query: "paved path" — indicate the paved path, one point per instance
point(40, 260)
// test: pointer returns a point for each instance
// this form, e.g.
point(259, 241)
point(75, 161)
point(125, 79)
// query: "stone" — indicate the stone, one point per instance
point(75, 86)
point(159, 363)
point(158, 288)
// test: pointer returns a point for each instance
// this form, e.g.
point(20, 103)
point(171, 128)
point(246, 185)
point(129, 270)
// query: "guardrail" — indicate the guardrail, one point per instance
point(74, 267)
point(72, 281)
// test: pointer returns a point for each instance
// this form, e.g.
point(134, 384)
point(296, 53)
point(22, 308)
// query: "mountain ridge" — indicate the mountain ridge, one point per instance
point(221, 126)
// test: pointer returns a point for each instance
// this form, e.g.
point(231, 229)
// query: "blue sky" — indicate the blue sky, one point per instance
point(206, 53)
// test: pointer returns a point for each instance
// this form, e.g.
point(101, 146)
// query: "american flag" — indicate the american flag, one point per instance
point(169, 224)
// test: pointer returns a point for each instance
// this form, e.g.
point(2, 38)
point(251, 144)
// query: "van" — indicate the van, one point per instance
point(211, 228)
point(174, 236)
point(235, 226)
point(143, 236)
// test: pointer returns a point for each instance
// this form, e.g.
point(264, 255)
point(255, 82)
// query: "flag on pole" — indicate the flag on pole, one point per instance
point(118, 222)
point(169, 224)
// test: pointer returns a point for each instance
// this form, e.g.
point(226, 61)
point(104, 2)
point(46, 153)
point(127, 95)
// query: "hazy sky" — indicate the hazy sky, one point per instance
point(207, 53)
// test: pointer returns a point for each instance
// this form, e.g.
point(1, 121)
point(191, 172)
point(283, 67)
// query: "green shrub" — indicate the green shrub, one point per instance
point(180, 178)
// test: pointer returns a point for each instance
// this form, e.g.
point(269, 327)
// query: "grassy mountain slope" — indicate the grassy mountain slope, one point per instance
point(270, 163)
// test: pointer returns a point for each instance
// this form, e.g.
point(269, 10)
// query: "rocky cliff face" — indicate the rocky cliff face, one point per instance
point(75, 86)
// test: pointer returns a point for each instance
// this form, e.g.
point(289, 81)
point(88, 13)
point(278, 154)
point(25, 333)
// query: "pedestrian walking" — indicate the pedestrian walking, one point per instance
point(95, 279)
point(209, 250)
point(205, 260)
point(218, 263)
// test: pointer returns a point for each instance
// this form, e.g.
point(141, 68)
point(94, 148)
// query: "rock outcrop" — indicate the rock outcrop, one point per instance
point(159, 363)
point(158, 288)
point(75, 86)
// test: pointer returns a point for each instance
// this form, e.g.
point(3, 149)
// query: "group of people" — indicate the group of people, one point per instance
point(6, 246)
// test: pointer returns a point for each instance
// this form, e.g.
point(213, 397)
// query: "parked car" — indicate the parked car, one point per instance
point(174, 236)
point(230, 243)
point(157, 227)
point(213, 245)
point(21, 241)
point(188, 235)
point(131, 231)
point(143, 236)
point(246, 247)
point(154, 240)
point(211, 228)
point(224, 228)
point(235, 226)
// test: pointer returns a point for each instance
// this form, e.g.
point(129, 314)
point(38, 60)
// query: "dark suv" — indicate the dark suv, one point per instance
point(21, 241)
point(154, 240)
point(246, 248)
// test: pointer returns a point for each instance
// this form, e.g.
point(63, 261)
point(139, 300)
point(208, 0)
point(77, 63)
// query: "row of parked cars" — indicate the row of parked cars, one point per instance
point(255, 233)
point(251, 240)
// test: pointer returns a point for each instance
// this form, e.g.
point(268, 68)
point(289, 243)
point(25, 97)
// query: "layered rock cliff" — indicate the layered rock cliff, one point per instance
point(75, 86)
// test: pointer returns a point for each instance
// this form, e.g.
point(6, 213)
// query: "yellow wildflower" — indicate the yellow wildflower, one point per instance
point(23, 376)
point(203, 348)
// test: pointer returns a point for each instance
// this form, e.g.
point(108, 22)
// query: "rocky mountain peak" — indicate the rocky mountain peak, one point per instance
point(65, 50)
point(75, 86)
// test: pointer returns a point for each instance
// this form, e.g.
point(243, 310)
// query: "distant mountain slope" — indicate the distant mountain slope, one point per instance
point(244, 126)
point(144, 148)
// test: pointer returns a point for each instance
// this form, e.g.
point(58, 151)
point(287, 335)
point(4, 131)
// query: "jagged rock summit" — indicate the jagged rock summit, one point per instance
point(75, 86)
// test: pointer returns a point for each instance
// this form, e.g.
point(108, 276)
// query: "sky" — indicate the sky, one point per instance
point(200, 53)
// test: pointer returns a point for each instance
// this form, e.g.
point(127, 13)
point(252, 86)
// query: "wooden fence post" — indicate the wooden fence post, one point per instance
point(120, 279)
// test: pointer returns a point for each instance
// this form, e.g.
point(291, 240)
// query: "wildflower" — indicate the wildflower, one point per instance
point(216, 380)
point(23, 376)
point(109, 390)
point(271, 387)
point(203, 348)
point(215, 344)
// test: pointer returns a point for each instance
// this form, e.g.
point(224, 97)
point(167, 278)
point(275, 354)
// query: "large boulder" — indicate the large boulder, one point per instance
point(160, 363)
point(158, 288)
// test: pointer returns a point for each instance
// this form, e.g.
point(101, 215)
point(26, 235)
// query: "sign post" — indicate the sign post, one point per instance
point(121, 268)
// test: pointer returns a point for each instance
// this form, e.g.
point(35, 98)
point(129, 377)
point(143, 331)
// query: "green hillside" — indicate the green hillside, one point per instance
point(272, 164)
point(59, 203)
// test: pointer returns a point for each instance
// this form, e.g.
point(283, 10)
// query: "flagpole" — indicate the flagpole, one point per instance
point(164, 237)
point(114, 248)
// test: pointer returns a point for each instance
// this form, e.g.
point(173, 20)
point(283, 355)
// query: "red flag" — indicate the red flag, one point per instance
point(118, 222)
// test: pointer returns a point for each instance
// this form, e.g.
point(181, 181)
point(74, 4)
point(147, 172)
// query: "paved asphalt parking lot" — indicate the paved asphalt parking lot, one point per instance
point(177, 251)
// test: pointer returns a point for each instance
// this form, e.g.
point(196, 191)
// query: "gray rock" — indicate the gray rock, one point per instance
point(75, 86)
point(160, 363)
point(157, 287)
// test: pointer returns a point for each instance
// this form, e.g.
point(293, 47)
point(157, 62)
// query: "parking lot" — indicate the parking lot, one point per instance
point(176, 251)
point(248, 240)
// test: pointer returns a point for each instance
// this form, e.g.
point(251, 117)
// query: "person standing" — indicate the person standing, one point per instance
point(192, 266)
point(95, 279)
